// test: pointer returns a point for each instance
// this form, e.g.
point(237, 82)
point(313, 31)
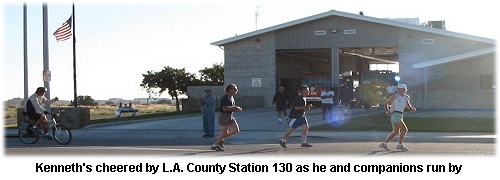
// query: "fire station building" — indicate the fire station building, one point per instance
point(442, 69)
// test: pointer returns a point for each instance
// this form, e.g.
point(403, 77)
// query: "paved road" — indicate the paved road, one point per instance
point(259, 135)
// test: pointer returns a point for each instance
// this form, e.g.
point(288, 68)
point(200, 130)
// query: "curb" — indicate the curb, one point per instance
point(12, 134)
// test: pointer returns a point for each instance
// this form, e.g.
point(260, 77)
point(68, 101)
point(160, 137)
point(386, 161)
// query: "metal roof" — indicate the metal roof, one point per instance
point(357, 17)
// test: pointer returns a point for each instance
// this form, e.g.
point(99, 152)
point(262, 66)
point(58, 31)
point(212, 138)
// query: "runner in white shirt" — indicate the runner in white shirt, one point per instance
point(394, 107)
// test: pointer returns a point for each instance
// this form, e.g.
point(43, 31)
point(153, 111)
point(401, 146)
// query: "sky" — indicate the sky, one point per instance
point(118, 41)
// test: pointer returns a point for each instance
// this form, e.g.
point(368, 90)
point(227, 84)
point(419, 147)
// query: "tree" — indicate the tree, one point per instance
point(373, 92)
point(84, 101)
point(152, 92)
point(212, 75)
point(174, 81)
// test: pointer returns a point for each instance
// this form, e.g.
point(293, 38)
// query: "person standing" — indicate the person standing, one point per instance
point(336, 93)
point(394, 108)
point(280, 100)
point(298, 118)
point(326, 100)
point(208, 109)
point(228, 124)
point(346, 96)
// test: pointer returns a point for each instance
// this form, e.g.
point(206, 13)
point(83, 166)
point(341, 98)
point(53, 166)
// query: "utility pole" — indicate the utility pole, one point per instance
point(256, 14)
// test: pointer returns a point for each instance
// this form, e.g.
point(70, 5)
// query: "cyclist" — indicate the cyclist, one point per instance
point(34, 109)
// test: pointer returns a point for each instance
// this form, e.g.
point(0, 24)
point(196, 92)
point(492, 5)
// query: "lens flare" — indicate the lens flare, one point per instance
point(337, 117)
point(397, 78)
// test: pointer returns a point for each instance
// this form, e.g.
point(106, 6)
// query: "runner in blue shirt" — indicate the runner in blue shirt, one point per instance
point(298, 118)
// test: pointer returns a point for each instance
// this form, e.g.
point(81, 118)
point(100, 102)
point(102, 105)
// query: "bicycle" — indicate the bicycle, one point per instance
point(28, 135)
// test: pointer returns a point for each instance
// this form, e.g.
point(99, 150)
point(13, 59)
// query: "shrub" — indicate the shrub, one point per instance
point(109, 103)
point(370, 93)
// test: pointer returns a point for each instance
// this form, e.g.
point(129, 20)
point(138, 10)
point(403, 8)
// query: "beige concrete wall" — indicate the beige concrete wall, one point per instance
point(71, 117)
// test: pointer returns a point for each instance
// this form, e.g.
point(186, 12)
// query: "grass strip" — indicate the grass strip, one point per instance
point(380, 122)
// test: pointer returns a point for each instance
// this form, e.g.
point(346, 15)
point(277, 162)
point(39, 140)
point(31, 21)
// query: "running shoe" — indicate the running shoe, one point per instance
point(216, 148)
point(220, 144)
point(402, 148)
point(283, 144)
point(306, 145)
point(384, 146)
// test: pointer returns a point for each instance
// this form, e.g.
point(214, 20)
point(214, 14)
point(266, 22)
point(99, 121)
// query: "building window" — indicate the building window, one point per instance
point(319, 33)
point(487, 82)
point(427, 41)
point(384, 67)
point(349, 31)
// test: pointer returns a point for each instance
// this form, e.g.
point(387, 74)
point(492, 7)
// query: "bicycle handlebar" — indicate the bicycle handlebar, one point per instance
point(56, 113)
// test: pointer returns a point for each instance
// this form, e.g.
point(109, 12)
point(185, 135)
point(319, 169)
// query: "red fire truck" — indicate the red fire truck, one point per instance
point(315, 83)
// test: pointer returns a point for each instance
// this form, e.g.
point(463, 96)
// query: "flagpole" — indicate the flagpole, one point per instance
point(25, 24)
point(74, 58)
point(46, 54)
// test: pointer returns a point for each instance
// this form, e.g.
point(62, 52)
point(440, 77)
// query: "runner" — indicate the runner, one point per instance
point(228, 124)
point(298, 118)
point(394, 107)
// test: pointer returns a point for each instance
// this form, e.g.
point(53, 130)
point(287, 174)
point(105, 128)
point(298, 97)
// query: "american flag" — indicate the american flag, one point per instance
point(64, 32)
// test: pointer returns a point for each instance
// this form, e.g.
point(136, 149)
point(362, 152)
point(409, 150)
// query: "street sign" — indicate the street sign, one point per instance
point(46, 76)
point(256, 82)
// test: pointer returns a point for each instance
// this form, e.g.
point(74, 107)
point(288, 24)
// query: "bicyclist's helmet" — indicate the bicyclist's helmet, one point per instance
point(40, 89)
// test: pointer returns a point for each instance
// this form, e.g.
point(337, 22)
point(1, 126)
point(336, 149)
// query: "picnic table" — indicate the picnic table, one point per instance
point(126, 109)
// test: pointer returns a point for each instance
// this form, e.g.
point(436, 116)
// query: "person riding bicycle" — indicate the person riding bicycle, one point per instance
point(35, 111)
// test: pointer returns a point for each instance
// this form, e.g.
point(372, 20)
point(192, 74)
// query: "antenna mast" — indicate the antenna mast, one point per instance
point(256, 14)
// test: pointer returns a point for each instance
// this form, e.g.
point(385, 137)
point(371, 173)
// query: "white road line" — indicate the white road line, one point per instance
point(131, 148)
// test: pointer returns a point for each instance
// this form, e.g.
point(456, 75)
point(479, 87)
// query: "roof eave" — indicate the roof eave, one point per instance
point(358, 17)
point(272, 28)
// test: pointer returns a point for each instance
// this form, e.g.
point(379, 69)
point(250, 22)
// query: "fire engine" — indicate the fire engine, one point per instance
point(316, 82)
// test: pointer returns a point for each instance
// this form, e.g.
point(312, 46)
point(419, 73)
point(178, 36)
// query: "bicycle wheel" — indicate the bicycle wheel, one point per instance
point(61, 134)
point(28, 138)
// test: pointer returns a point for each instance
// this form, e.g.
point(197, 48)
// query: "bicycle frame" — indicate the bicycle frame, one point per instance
point(60, 133)
point(51, 121)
